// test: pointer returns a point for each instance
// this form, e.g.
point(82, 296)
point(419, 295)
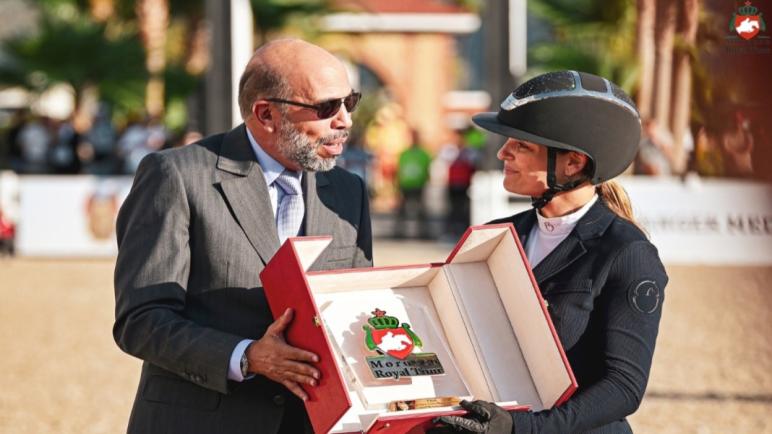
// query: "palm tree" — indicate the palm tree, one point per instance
point(72, 48)
point(682, 77)
point(594, 36)
point(667, 13)
point(153, 21)
point(647, 12)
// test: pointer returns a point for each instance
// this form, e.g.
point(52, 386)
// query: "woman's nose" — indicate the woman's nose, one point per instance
point(502, 153)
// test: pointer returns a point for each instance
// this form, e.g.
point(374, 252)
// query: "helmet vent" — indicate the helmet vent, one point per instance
point(550, 82)
point(593, 83)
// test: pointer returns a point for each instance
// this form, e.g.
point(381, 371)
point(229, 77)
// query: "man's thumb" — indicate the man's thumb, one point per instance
point(281, 322)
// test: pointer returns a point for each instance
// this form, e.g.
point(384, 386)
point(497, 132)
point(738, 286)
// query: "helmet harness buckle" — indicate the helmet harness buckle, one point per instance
point(553, 188)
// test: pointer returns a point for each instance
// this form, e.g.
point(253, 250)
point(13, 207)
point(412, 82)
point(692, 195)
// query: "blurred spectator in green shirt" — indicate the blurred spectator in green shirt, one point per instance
point(412, 177)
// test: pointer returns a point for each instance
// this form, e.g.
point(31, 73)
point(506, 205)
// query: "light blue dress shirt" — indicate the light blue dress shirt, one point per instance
point(271, 170)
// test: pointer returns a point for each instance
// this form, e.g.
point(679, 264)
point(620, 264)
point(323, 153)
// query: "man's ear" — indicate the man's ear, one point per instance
point(264, 116)
point(575, 164)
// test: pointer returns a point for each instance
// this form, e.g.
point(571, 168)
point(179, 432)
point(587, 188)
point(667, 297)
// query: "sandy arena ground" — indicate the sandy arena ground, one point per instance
point(60, 371)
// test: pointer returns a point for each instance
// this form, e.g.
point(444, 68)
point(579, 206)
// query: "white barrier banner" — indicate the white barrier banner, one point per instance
point(696, 221)
point(69, 215)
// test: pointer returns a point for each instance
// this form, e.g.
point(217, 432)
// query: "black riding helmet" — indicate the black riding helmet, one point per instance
point(571, 111)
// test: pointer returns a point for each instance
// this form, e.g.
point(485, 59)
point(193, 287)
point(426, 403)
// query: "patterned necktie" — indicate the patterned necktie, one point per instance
point(289, 216)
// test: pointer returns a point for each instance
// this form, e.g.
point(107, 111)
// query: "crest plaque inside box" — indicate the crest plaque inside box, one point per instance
point(401, 345)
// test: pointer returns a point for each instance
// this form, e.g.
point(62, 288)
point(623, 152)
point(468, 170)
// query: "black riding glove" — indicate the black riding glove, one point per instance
point(484, 417)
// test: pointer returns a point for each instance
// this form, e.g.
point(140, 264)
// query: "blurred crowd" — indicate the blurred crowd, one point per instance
point(419, 188)
point(43, 145)
point(418, 185)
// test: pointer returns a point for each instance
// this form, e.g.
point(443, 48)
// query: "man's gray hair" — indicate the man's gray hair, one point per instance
point(260, 81)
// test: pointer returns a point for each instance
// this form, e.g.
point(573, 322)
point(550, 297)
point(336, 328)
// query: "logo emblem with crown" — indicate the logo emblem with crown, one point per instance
point(747, 21)
point(386, 336)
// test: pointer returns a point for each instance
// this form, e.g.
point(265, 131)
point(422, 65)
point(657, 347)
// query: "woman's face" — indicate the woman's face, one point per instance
point(525, 167)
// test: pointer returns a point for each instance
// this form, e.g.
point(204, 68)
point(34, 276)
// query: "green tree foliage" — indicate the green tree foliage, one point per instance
point(273, 15)
point(69, 47)
point(595, 36)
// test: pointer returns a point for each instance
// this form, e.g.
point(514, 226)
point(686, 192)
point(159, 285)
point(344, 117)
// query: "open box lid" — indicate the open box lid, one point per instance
point(499, 246)
point(287, 285)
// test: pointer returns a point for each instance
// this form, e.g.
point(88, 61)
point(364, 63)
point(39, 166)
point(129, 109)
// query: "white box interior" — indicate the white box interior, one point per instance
point(480, 314)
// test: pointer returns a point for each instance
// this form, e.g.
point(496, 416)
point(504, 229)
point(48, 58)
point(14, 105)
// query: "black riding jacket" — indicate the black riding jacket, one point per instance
point(604, 285)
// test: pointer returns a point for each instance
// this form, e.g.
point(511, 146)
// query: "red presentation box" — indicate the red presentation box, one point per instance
point(473, 327)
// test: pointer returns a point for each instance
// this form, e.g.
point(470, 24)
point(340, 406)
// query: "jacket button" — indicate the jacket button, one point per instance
point(279, 400)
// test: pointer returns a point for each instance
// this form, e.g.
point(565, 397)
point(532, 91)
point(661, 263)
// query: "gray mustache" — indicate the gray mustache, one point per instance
point(335, 136)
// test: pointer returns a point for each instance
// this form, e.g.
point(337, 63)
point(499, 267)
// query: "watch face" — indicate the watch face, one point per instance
point(244, 365)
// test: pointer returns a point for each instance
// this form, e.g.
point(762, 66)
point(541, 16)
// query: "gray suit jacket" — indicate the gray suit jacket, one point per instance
point(193, 235)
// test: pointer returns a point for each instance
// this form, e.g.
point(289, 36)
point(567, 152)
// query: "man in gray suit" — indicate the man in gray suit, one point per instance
point(197, 228)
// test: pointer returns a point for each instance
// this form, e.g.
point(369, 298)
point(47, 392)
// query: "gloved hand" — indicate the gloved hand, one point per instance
point(484, 417)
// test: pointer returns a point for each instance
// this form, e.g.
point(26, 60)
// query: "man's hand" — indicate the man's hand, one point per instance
point(484, 417)
point(272, 357)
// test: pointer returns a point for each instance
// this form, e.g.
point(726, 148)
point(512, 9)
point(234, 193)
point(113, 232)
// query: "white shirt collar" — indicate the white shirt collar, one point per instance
point(271, 168)
point(564, 224)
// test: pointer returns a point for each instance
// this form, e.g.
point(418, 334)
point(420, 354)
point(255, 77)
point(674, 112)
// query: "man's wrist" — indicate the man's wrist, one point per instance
point(244, 364)
point(234, 364)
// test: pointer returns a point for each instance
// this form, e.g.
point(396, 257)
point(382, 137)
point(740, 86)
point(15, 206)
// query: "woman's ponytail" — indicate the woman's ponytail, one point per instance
point(615, 197)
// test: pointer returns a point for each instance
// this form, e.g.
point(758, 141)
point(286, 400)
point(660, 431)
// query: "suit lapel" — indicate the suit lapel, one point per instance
point(592, 225)
point(244, 188)
point(320, 201)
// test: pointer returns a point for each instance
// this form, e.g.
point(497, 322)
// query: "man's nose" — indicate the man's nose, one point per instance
point(342, 119)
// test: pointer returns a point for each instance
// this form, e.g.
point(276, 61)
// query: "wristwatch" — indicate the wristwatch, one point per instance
point(244, 365)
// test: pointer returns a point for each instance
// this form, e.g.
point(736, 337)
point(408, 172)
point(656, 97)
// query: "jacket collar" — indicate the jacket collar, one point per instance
point(236, 154)
point(591, 226)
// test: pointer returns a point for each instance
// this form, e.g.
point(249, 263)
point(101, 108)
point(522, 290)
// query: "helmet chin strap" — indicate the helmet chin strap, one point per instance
point(553, 188)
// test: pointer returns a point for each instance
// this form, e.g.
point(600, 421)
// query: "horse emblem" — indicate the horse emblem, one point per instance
point(747, 21)
point(385, 335)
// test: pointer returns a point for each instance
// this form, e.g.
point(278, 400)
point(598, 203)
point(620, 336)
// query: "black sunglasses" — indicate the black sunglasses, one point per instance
point(326, 109)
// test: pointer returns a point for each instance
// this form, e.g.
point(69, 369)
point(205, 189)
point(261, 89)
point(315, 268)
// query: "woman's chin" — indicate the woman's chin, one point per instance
point(514, 188)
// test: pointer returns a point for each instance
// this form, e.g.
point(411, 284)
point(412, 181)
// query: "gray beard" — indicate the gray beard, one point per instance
point(297, 147)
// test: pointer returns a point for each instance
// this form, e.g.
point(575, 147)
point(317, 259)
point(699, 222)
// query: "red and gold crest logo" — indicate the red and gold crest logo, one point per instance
point(386, 336)
point(747, 21)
